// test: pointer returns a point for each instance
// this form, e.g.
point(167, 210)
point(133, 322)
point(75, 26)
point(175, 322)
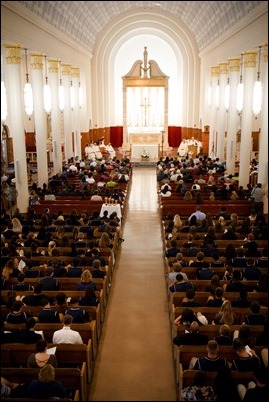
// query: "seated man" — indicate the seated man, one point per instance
point(193, 337)
point(211, 362)
point(47, 314)
point(255, 317)
point(247, 359)
point(180, 285)
point(79, 314)
point(66, 334)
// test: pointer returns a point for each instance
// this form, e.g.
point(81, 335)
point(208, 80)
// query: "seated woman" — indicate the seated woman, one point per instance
point(41, 357)
point(86, 279)
point(89, 299)
point(43, 387)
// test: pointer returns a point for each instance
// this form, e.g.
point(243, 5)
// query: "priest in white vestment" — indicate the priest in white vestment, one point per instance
point(183, 148)
point(111, 150)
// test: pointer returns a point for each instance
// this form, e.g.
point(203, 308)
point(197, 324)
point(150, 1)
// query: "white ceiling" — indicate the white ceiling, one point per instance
point(82, 21)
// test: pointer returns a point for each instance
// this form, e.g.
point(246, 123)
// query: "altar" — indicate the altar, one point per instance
point(152, 150)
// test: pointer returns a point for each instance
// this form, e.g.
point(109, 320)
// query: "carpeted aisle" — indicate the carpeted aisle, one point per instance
point(134, 361)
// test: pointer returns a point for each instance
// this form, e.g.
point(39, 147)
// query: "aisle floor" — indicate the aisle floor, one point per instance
point(135, 361)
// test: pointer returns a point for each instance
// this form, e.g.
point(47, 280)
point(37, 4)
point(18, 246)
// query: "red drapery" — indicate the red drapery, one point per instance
point(174, 136)
point(116, 136)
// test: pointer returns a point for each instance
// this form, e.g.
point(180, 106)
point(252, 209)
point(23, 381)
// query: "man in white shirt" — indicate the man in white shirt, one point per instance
point(199, 214)
point(66, 334)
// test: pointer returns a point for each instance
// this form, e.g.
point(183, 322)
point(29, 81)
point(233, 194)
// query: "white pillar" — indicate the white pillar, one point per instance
point(223, 69)
point(166, 117)
point(213, 113)
point(66, 78)
point(263, 141)
point(15, 108)
point(125, 141)
point(247, 117)
point(76, 119)
point(233, 120)
point(55, 116)
point(40, 118)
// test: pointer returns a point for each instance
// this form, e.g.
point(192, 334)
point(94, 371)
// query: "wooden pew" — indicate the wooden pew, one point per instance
point(212, 330)
point(191, 273)
point(16, 355)
point(220, 243)
point(201, 296)
point(186, 209)
point(87, 331)
point(74, 398)
point(186, 378)
point(69, 293)
point(184, 353)
point(94, 313)
point(71, 378)
point(67, 207)
point(210, 312)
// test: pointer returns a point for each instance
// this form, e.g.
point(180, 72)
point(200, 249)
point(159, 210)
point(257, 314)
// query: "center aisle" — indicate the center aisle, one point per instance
point(134, 361)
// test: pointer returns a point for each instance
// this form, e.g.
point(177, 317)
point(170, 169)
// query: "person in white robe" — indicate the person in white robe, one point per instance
point(87, 151)
point(199, 146)
point(183, 148)
point(91, 152)
point(111, 150)
point(98, 153)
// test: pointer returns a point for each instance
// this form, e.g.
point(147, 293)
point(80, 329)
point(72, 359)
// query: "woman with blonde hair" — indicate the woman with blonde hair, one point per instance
point(212, 196)
point(17, 226)
point(46, 386)
point(10, 269)
point(234, 196)
point(104, 241)
point(225, 314)
point(188, 196)
point(234, 221)
point(85, 280)
point(177, 221)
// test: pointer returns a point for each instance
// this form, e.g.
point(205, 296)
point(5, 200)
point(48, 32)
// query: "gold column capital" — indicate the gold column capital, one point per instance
point(223, 67)
point(37, 61)
point(214, 71)
point(66, 69)
point(13, 53)
point(234, 63)
point(53, 65)
point(250, 58)
point(75, 73)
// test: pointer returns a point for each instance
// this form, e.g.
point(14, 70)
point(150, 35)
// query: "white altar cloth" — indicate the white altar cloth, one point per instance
point(152, 150)
point(111, 208)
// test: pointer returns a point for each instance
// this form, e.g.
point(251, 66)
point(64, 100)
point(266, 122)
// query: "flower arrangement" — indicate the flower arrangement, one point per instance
point(144, 154)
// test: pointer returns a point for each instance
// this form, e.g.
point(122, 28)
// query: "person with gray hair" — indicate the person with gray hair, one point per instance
point(66, 334)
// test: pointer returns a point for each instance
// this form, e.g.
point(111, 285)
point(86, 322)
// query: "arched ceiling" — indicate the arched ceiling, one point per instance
point(82, 21)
